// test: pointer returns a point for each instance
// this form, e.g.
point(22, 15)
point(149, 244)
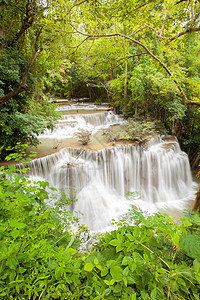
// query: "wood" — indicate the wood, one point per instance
point(183, 95)
point(196, 204)
point(21, 86)
point(125, 86)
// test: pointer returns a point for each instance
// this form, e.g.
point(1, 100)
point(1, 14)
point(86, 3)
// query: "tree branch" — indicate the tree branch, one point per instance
point(76, 47)
point(183, 95)
point(21, 86)
point(77, 4)
point(163, 24)
point(189, 30)
point(157, 34)
point(27, 21)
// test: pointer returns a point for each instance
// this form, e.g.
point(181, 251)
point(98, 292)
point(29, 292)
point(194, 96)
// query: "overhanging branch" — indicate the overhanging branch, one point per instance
point(183, 95)
point(21, 86)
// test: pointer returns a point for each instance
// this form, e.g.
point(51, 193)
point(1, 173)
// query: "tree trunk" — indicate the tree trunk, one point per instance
point(183, 95)
point(111, 74)
point(196, 160)
point(21, 87)
point(196, 204)
point(125, 87)
point(89, 90)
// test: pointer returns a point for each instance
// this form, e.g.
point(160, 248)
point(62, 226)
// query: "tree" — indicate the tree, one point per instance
point(145, 15)
point(25, 14)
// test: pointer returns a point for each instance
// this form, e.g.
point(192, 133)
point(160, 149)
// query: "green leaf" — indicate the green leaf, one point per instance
point(175, 240)
point(111, 282)
point(107, 291)
point(133, 297)
point(12, 262)
point(137, 258)
point(96, 261)
point(196, 265)
point(116, 273)
point(126, 271)
point(191, 244)
point(119, 248)
point(146, 258)
point(115, 242)
point(88, 267)
point(58, 272)
point(127, 260)
point(117, 288)
point(110, 263)
point(15, 233)
point(104, 272)
point(130, 237)
point(125, 281)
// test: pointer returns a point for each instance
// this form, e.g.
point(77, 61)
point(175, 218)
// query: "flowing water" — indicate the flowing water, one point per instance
point(158, 171)
point(70, 124)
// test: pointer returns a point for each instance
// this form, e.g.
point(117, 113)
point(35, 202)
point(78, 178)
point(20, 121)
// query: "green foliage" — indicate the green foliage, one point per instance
point(58, 82)
point(144, 258)
point(37, 249)
point(112, 134)
point(116, 87)
point(139, 130)
point(12, 67)
point(134, 129)
point(145, 261)
point(24, 126)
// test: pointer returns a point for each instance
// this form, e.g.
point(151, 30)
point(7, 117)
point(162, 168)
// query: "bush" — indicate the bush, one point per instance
point(20, 125)
point(37, 246)
point(83, 136)
point(134, 129)
point(144, 258)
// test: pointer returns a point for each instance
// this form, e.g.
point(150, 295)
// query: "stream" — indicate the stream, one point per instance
point(156, 174)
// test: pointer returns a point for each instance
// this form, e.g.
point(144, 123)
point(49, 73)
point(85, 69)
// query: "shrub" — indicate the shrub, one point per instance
point(83, 136)
point(144, 258)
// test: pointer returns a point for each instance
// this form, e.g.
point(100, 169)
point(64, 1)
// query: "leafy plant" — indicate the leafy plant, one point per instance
point(37, 247)
point(135, 129)
point(145, 261)
point(139, 130)
point(19, 125)
point(145, 257)
point(111, 135)
point(83, 136)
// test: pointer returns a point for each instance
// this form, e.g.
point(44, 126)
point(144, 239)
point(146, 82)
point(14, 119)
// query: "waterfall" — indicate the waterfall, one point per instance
point(70, 124)
point(159, 171)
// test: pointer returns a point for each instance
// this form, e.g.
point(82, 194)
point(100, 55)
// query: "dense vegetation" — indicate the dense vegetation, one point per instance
point(147, 65)
point(143, 59)
point(143, 258)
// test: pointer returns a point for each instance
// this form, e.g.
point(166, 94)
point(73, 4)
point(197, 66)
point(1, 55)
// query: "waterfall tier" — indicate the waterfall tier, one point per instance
point(159, 171)
point(70, 124)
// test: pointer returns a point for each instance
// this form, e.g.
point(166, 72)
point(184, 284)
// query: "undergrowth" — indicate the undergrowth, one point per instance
point(40, 257)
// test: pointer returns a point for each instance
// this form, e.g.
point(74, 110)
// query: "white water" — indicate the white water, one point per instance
point(70, 124)
point(80, 106)
point(159, 171)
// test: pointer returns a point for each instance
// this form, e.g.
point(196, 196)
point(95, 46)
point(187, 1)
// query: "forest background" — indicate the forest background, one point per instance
point(143, 58)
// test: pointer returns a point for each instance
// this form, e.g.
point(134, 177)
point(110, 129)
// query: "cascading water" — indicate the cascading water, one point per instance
point(159, 171)
point(70, 124)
